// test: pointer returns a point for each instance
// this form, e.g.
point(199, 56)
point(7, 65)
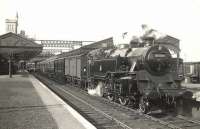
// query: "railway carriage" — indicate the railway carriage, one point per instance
point(46, 67)
point(59, 69)
point(76, 69)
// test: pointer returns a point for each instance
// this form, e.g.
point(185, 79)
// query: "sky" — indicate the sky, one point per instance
point(95, 20)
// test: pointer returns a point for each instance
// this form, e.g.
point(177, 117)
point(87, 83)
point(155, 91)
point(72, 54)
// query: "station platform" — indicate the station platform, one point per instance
point(25, 103)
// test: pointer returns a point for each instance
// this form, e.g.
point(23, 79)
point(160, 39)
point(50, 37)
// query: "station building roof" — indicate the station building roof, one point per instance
point(20, 48)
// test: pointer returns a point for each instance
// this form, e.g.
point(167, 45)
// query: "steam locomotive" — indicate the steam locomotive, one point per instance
point(141, 74)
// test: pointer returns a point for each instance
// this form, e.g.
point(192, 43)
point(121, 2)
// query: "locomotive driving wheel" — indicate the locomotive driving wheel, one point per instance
point(123, 101)
point(110, 97)
point(144, 105)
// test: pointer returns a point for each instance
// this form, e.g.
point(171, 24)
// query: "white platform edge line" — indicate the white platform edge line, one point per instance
point(80, 118)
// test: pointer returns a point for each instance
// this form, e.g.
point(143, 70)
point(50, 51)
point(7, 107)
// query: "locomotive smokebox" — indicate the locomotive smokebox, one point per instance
point(157, 60)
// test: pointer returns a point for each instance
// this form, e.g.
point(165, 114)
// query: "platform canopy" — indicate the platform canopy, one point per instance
point(170, 42)
point(20, 48)
point(161, 38)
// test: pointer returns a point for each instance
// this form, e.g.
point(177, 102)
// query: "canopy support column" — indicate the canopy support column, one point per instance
point(10, 65)
point(178, 56)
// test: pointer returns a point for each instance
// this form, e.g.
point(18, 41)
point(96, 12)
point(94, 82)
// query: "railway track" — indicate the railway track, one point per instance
point(104, 114)
point(182, 122)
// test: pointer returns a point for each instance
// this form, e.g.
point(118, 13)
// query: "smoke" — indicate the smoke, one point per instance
point(196, 96)
point(98, 91)
point(149, 32)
